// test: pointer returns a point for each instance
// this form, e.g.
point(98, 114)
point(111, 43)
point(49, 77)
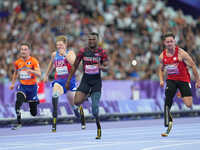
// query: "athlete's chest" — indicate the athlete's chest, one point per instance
point(93, 57)
point(171, 64)
point(170, 60)
point(59, 62)
point(25, 64)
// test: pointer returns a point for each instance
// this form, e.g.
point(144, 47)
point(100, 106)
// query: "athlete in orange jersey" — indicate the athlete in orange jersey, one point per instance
point(27, 69)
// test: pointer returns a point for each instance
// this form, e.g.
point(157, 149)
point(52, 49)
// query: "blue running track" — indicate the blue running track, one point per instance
point(119, 135)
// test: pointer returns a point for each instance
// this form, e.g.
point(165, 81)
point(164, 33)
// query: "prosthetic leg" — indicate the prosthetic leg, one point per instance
point(20, 99)
point(83, 125)
point(168, 121)
point(55, 109)
point(70, 97)
point(33, 108)
point(98, 128)
point(95, 111)
point(78, 111)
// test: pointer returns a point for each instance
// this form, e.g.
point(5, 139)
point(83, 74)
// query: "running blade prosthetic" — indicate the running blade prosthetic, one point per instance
point(168, 130)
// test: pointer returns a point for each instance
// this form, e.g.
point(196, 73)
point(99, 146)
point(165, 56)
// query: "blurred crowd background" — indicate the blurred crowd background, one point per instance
point(129, 30)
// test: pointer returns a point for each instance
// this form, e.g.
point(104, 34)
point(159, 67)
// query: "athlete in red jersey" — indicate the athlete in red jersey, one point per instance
point(175, 61)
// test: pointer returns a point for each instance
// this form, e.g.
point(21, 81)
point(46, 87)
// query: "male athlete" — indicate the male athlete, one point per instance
point(62, 59)
point(27, 69)
point(175, 61)
point(94, 60)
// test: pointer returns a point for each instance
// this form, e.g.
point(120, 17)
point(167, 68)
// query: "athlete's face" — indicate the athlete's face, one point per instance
point(60, 45)
point(24, 51)
point(92, 41)
point(169, 42)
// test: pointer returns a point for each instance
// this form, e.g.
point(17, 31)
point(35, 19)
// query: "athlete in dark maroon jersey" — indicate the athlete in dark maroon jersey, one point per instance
point(94, 61)
point(175, 61)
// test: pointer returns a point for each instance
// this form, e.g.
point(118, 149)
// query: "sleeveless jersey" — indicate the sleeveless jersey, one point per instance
point(176, 70)
point(22, 66)
point(62, 66)
point(91, 59)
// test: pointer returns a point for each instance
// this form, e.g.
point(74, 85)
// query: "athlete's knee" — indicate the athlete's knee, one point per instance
point(55, 94)
point(188, 101)
point(189, 104)
point(58, 89)
point(79, 98)
point(95, 103)
point(79, 101)
point(33, 108)
point(20, 99)
point(34, 113)
point(21, 96)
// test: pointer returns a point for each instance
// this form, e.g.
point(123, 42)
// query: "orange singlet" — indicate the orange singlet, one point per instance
point(21, 66)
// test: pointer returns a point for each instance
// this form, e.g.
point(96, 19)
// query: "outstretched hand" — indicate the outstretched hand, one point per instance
point(162, 83)
point(197, 84)
point(12, 87)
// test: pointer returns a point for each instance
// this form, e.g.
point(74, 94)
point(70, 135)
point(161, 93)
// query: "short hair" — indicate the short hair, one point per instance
point(61, 38)
point(26, 44)
point(168, 34)
point(94, 33)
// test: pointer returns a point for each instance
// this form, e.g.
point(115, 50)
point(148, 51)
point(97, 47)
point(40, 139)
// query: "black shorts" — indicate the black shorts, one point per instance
point(90, 84)
point(173, 85)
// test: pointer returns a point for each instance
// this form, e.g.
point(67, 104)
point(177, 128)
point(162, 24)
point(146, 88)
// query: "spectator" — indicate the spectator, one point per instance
point(126, 27)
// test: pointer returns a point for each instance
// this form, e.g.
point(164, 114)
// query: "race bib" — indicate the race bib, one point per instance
point(172, 69)
point(91, 69)
point(23, 75)
point(62, 70)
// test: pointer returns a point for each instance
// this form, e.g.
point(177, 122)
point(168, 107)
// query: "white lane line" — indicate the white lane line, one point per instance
point(169, 145)
point(132, 132)
point(132, 129)
point(48, 143)
point(111, 133)
point(191, 126)
point(78, 144)
point(26, 145)
point(105, 145)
